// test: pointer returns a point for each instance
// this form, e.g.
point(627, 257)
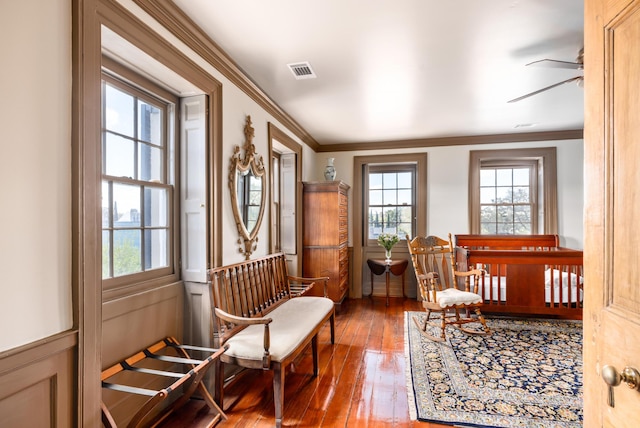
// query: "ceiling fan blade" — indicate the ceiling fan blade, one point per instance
point(573, 79)
point(552, 63)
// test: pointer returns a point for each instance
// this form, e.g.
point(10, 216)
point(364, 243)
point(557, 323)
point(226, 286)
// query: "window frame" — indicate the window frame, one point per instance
point(136, 85)
point(396, 167)
point(546, 191)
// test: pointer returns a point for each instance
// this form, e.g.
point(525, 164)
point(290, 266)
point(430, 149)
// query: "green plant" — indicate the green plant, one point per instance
point(388, 240)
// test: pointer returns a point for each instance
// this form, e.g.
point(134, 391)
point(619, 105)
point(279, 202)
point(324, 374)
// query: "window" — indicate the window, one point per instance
point(508, 199)
point(137, 193)
point(391, 200)
point(513, 192)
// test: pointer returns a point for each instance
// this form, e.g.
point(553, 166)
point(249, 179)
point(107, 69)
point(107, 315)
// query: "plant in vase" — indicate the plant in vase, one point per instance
point(387, 241)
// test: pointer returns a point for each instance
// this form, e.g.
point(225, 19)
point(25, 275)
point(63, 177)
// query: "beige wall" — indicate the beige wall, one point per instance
point(448, 183)
point(35, 176)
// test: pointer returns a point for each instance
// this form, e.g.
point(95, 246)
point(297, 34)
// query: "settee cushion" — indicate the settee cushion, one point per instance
point(292, 323)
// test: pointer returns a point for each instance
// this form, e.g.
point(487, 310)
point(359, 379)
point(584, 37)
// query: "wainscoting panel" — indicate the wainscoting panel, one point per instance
point(37, 384)
point(197, 314)
point(130, 324)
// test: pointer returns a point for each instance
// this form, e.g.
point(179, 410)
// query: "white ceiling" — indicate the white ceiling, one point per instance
point(405, 69)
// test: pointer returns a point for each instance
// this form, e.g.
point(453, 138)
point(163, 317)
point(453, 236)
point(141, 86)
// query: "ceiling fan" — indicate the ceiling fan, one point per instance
point(552, 63)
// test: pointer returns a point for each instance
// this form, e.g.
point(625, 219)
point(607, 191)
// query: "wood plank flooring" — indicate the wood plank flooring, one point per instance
point(361, 381)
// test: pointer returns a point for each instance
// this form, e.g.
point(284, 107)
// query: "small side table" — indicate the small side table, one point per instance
point(380, 266)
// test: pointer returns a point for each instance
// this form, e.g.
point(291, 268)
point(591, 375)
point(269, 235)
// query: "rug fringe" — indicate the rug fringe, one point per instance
point(411, 399)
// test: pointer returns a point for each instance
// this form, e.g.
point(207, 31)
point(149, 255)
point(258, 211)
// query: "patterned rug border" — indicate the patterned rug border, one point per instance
point(446, 355)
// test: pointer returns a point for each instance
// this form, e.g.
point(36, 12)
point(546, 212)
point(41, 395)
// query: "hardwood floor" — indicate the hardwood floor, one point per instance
point(361, 381)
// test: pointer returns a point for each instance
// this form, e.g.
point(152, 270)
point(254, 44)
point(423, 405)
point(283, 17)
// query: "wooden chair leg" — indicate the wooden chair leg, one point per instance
point(314, 351)
point(332, 323)
point(443, 324)
point(278, 392)
point(482, 320)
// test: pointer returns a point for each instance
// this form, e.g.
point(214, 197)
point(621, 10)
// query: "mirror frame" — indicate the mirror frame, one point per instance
point(250, 162)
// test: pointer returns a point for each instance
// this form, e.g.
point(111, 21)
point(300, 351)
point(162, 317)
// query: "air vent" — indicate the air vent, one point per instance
point(302, 70)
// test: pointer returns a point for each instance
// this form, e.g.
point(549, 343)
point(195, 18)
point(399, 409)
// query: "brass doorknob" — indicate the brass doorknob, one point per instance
point(613, 378)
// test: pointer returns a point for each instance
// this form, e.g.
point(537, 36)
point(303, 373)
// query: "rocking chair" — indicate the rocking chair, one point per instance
point(444, 289)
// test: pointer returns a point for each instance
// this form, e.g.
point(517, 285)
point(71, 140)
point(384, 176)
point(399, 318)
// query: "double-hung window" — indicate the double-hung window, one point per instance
point(508, 198)
point(513, 191)
point(391, 200)
point(137, 188)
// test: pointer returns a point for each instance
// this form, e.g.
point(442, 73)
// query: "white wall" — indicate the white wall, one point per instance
point(35, 170)
point(448, 183)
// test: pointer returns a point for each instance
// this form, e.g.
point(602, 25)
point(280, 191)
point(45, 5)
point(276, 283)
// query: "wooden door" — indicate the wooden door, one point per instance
point(612, 206)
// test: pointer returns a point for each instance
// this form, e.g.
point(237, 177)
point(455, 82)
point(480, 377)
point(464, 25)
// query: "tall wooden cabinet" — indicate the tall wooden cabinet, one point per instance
point(325, 235)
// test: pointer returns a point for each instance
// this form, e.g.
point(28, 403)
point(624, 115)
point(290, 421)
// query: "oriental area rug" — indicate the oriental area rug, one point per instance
point(526, 373)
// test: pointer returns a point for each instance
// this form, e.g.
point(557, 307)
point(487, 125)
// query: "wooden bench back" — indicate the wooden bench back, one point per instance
point(251, 288)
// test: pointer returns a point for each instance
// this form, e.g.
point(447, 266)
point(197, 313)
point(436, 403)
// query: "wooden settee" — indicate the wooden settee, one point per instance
point(265, 319)
point(525, 274)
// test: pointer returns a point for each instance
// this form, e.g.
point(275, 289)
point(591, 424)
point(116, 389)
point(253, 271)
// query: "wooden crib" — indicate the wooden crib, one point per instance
point(525, 274)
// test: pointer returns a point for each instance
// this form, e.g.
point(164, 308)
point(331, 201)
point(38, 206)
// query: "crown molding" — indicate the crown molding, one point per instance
point(524, 137)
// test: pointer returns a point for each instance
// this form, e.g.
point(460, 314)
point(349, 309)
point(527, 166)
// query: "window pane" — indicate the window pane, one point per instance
point(120, 156)
point(404, 229)
point(488, 228)
point(522, 215)
point(156, 246)
point(503, 177)
point(119, 111)
point(521, 177)
point(150, 163)
point(488, 214)
point(404, 180)
point(521, 195)
point(505, 214)
point(106, 254)
point(405, 197)
point(487, 177)
point(375, 197)
point(389, 180)
point(487, 195)
point(404, 215)
point(126, 252)
point(504, 195)
point(126, 206)
point(375, 181)
point(155, 207)
point(522, 228)
point(375, 222)
point(106, 211)
point(150, 123)
point(389, 197)
point(389, 216)
point(505, 228)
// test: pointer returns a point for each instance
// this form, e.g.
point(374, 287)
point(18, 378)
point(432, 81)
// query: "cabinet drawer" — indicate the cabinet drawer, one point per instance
point(344, 283)
point(344, 254)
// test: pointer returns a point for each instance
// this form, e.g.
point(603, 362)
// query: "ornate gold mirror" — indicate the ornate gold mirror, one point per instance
point(248, 191)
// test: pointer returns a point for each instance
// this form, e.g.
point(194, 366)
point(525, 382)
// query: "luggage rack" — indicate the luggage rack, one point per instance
point(189, 381)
